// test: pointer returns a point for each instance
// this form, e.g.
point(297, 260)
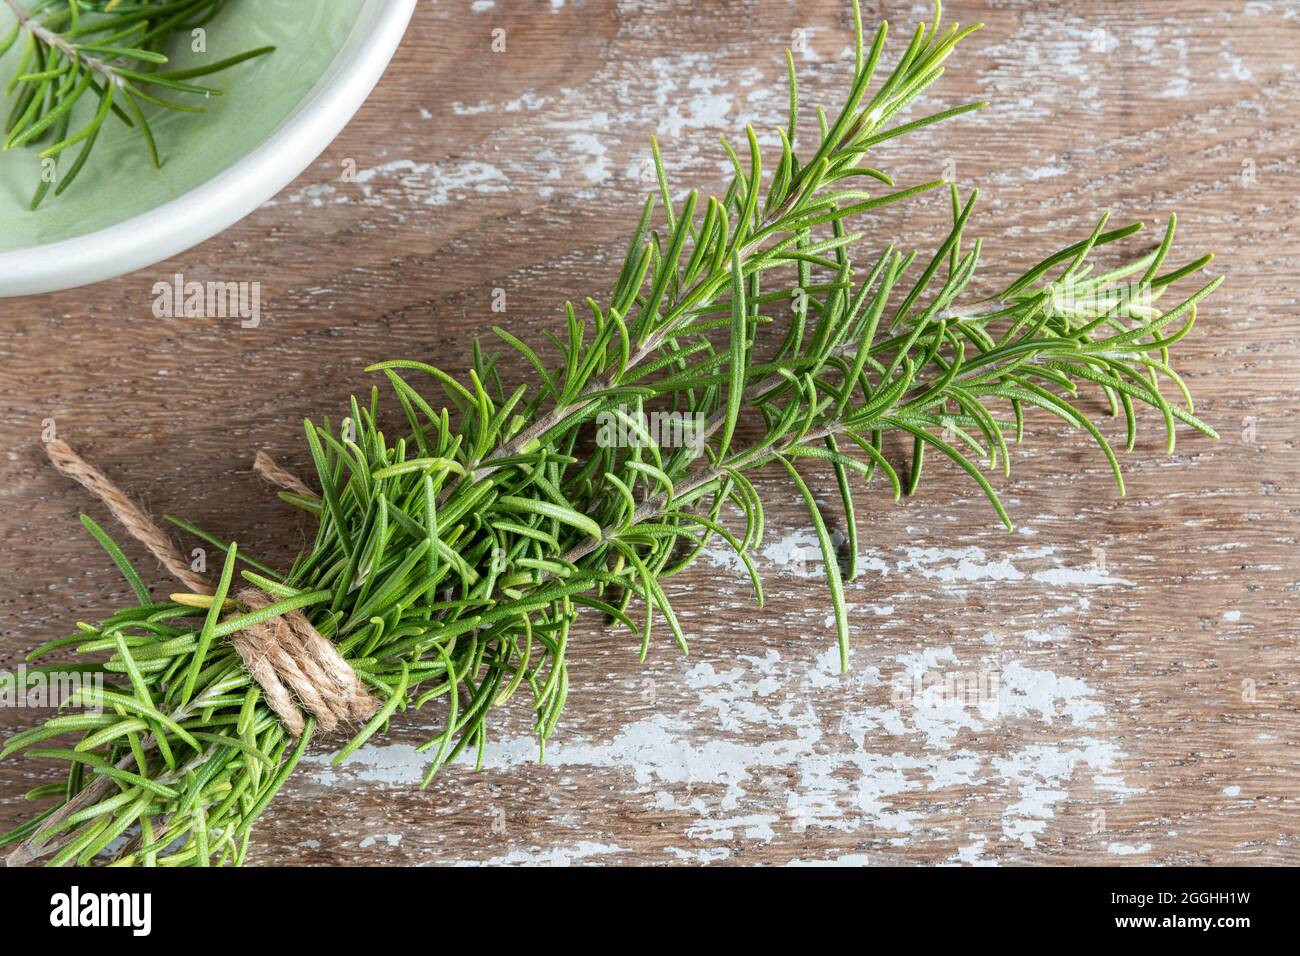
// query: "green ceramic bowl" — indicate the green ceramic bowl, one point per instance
point(277, 113)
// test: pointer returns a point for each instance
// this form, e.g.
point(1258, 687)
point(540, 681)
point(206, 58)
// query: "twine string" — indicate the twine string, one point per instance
point(297, 668)
point(138, 524)
point(265, 467)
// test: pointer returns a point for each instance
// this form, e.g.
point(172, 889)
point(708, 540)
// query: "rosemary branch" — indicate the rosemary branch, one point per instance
point(450, 566)
point(919, 67)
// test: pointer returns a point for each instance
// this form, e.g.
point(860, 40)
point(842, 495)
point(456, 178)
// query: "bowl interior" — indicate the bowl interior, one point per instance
point(119, 181)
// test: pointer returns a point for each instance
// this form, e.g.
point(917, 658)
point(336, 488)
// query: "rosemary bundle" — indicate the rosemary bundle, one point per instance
point(110, 51)
point(451, 563)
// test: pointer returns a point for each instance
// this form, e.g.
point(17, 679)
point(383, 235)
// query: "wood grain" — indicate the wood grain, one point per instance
point(1144, 649)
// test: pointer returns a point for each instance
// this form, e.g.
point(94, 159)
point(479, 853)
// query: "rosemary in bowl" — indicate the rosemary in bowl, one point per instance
point(455, 554)
point(111, 52)
point(98, 93)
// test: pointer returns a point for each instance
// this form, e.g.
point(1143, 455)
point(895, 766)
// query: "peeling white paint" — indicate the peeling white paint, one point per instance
point(529, 101)
point(552, 856)
point(1046, 172)
point(972, 855)
point(848, 859)
point(597, 166)
point(847, 765)
point(434, 184)
point(1121, 849)
point(430, 184)
point(388, 839)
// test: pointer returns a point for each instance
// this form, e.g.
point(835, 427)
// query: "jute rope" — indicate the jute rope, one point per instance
point(287, 650)
point(135, 521)
point(265, 466)
point(286, 656)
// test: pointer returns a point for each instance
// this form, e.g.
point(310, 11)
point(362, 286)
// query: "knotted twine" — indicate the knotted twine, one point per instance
point(286, 656)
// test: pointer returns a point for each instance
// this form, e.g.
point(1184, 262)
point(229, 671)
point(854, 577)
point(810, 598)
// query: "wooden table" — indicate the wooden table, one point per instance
point(1141, 651)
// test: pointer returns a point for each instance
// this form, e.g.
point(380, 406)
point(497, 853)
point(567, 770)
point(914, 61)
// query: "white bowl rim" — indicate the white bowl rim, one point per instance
point(231, 195)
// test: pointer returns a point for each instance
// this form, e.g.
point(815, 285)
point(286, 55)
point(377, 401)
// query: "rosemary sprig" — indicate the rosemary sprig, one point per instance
point(450, 565)
point(110, 50)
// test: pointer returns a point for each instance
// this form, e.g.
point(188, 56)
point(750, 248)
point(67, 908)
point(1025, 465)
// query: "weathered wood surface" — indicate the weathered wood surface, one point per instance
point(1145, 648)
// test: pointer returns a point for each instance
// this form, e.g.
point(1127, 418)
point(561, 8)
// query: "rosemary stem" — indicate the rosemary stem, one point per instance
point(49, 37)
